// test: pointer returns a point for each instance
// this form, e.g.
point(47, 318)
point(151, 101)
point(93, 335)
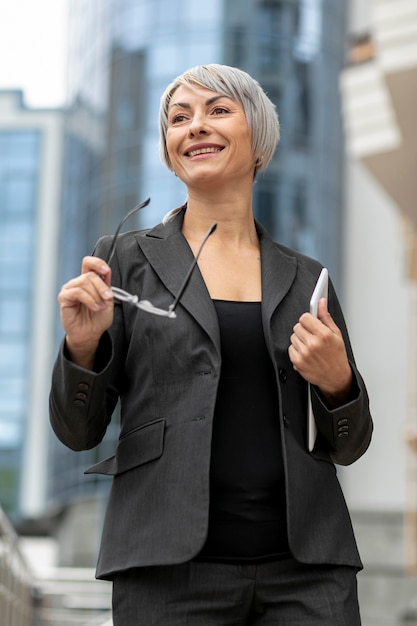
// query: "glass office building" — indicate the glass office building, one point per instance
point(19, 179)
point(30, 168)
point(122, 54)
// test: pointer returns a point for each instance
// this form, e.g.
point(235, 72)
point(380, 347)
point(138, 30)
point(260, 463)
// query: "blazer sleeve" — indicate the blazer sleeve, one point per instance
point(81, 401)
point(345, 430)
point(80, 405)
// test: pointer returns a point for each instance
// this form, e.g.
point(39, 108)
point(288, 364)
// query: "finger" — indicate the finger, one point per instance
point(307, 328)
point(70, 297)
point(298, 343)
point(91, 283)
point(325, 317)
point(299, 349)
point(297, 361)
point(292, 353)
point(99, 284)
point(97, 265)
point(87, 289)
point(309, 323)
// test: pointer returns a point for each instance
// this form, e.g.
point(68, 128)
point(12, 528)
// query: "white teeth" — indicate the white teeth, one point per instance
point(203, 151)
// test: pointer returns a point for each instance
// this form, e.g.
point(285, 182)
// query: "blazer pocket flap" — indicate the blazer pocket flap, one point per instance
point(136, 448)
point(108, 467)
point(140, 446)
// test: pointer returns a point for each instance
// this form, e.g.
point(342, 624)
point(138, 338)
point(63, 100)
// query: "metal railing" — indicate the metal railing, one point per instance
point(52, 597)
point(17, 587)
point(73, 597)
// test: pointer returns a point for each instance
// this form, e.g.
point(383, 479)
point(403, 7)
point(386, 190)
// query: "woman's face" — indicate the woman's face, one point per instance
point(208, 139)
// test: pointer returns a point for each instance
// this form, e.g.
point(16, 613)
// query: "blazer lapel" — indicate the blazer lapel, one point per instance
point(171, 257)
point(278, 273)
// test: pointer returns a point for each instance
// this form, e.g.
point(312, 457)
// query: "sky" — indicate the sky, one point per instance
point(32, 49)
point(33, 45)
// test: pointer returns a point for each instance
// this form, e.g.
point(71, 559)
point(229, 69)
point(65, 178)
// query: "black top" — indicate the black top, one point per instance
point(247, 488)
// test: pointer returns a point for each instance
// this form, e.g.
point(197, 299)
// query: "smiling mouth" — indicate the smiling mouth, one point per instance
point(193, 153)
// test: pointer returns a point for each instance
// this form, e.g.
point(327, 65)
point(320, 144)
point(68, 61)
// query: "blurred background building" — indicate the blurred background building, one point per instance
point(379, 89)
point(341, 188)
point(30, 185)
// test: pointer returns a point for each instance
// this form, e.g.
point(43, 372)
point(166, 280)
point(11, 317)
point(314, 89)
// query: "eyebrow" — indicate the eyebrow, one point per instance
point(186, 105)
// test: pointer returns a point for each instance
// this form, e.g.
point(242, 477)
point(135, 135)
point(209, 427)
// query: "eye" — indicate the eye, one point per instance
point(177, 119)
point(220, 110)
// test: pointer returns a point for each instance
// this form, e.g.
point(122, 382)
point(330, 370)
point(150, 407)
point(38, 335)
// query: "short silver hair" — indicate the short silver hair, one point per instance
point(236, 84)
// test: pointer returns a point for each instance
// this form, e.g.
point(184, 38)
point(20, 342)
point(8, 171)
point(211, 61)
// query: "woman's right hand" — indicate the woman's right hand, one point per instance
point(86, 305)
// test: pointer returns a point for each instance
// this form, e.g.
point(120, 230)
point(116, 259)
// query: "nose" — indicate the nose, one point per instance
point(198, 126)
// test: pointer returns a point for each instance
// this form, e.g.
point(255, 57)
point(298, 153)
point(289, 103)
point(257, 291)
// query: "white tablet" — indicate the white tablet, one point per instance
point(321, 290)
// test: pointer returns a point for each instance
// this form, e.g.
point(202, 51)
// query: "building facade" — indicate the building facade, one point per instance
point(379, 89)
point(30, 178)
point(122, 54)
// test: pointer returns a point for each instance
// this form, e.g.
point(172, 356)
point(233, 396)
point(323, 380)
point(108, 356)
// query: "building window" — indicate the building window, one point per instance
point(265, 200)
point(270, 33)
point(238, 48)
point(302, 98)
point(307, 41)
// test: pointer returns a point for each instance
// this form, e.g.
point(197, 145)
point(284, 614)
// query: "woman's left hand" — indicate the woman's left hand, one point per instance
point(318, 353)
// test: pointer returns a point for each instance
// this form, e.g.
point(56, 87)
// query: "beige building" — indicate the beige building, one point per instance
point(380, 102)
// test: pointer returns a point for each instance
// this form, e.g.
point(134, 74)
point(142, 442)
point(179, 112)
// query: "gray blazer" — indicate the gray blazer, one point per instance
point(166, 374)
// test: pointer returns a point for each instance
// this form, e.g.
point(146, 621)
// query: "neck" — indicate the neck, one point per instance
point(232, 213)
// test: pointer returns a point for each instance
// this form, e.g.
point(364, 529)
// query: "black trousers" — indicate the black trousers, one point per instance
point(279, 593)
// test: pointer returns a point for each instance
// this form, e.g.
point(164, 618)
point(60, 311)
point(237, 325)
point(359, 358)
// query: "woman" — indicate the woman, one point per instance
point(218, 513)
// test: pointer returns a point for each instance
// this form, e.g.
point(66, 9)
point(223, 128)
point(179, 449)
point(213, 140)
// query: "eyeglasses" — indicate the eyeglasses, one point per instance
point(146, 305)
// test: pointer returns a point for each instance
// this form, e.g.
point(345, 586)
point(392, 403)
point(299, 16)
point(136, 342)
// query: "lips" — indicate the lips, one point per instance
point(203, 149)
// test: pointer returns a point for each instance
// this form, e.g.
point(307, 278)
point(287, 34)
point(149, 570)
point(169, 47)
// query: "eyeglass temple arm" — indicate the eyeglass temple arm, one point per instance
point(112, 250)
point(211, 230)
